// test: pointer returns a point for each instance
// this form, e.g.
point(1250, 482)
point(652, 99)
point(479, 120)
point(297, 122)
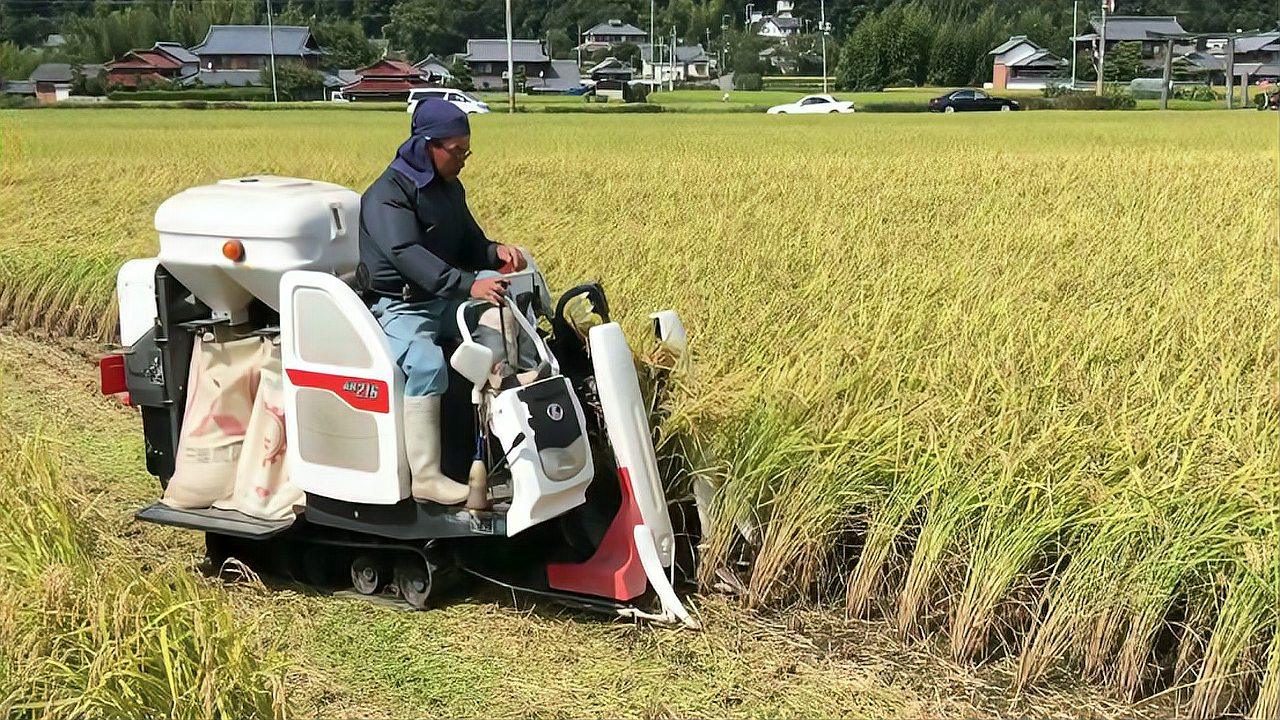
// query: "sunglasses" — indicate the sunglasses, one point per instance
point(457, 153)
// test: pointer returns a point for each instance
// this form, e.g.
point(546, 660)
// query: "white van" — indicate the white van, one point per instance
point(463, 101)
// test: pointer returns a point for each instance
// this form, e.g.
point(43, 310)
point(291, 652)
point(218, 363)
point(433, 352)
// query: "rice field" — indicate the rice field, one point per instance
point(1009, 381)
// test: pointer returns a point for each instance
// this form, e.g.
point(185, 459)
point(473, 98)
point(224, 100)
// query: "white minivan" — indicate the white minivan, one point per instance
point(463, 101)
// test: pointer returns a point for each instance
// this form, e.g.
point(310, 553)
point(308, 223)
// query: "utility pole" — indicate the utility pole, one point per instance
point(1231, 71)
point(1102, 48)
point(725, 23)
point(511, 66)
point(579, 44)
point(1167, 74)
point(653, 42)
point(824, 46)
point(1075, 32)
point(271, 48)
point(671, 81)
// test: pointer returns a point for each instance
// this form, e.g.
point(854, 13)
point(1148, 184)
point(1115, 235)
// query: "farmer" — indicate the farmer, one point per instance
point(425, 254)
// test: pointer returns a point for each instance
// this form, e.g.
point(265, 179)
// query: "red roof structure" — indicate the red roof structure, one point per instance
point(386, 79)
point(157, 63)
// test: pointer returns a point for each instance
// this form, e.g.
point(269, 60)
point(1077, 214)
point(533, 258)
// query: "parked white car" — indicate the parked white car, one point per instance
point(812, 105)
point(463, 101)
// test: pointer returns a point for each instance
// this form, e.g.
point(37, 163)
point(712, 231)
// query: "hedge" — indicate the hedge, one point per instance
point(211, 93)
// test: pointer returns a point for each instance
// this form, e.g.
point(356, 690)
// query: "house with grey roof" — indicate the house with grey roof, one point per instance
point(250, 47)
point(1149, 31)
point(1263, 48)
point(52, 82)
point(435, 69)
point(611, 32)
point(18, 87)
point(1020, 64)
point(691, 63)
point(487, 61)
point(779, 27)
point(780, 24)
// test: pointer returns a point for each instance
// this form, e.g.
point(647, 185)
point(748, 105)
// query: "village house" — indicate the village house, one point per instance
point(1019, 64)
point(487, 61)
point(52, 82)
point(1148, 31)
point(249, 47)
point(610, 68)
point(435, 69)
point(691, 63)
point(780, 24)
point(610, 33)
point(386, 79)
point(162, 62)
point(334, 80)
point(1263, 48)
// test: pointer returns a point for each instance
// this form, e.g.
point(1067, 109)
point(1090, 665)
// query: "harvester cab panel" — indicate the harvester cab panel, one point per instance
point(271, 408)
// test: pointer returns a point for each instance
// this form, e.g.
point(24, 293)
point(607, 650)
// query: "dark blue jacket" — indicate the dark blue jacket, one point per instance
point(424, 238)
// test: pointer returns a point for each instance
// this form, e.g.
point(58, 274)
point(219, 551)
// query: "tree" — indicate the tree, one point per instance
point(559, 44)
point(423, 27)
point(744, 53)
point(295, 81)
point(82, 85)
point(345, 44)
point(1123, 62)
point(16, 63)
point(627, 53)
point(461, 74)
point(861, 65)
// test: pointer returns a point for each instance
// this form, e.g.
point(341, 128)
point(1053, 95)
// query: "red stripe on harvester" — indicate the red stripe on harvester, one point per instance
point(614, 571)
point(359, 393)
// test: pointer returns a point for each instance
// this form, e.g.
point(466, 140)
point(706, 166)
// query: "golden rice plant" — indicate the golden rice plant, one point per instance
point(84, 632)
point(1010, 380)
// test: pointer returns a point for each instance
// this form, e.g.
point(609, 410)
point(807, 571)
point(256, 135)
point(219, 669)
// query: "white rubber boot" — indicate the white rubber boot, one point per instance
point(422, 447)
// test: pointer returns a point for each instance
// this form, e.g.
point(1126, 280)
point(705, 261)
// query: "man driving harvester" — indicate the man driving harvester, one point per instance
point(425, 254)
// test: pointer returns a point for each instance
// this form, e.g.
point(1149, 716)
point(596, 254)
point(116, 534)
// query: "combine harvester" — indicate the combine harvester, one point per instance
point(261, 273)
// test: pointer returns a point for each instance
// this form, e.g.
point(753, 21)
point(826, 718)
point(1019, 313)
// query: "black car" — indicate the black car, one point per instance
point(966, 100)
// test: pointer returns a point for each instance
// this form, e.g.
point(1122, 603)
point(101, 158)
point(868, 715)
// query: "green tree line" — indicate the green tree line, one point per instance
point(878, 42)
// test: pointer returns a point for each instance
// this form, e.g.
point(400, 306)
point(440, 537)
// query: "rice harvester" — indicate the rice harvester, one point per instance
point(270, 405)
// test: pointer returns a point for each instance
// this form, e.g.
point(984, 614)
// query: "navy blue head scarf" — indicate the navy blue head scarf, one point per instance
point(433, 119)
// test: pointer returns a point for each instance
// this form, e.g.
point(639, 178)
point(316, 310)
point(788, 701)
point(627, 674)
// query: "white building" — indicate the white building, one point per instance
point(780, 24)
point(692, 63)
point(1019, 64)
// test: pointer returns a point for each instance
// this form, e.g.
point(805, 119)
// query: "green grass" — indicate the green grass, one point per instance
point(1003, 380)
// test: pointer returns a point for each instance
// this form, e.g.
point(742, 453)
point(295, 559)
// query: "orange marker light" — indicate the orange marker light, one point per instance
point(233, 250)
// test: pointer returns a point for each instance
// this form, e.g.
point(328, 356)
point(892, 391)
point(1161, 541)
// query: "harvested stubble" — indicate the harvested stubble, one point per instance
point(1011, 379)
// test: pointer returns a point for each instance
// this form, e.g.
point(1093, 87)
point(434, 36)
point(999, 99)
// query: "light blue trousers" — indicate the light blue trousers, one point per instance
point(412, 330)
